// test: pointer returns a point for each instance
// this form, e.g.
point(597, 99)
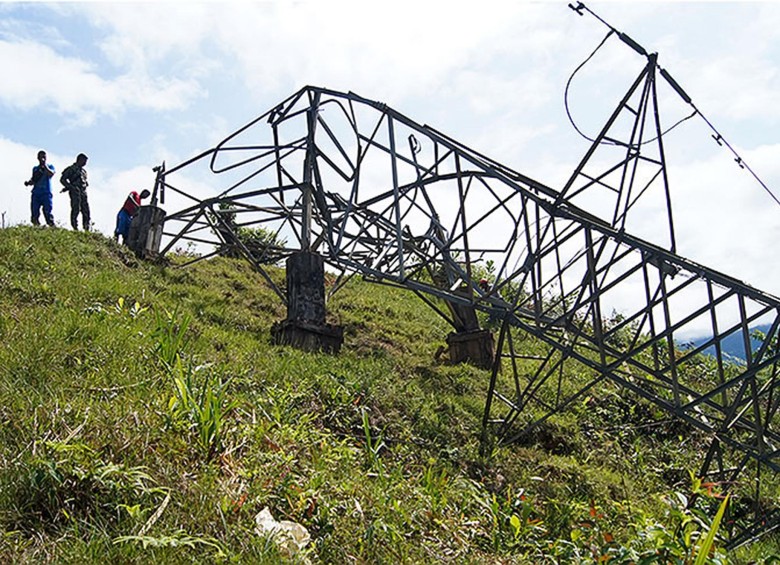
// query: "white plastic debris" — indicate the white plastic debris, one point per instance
point(290, 537)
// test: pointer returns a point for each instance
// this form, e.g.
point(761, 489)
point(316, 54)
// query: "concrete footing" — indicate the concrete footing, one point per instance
point(308, 337)
point(146, 231)
point(305, 327)
point(475, 347)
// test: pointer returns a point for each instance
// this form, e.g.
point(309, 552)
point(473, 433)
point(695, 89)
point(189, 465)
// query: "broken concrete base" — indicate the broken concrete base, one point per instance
point(146, 231)
point(474, 347)
point(305, 327)
point(307, 336)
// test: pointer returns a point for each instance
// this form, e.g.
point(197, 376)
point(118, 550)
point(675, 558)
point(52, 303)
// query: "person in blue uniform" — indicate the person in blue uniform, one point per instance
point(41, 190)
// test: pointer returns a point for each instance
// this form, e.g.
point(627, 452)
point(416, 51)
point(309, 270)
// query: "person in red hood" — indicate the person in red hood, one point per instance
point(125, 215)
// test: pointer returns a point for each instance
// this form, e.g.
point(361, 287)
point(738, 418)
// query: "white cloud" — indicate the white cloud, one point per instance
point(394, 50)
point(38, 77)
point(726, 220)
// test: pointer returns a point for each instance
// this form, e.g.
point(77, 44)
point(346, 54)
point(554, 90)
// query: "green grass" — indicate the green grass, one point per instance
point(147, 418)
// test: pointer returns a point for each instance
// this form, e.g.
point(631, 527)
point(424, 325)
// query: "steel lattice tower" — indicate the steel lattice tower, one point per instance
point(378, 195)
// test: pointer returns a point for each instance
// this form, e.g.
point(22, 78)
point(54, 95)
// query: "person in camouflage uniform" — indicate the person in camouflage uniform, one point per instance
point(74, 179)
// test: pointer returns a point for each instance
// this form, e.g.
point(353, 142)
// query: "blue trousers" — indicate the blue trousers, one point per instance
point(123, 220)
point(41, 200)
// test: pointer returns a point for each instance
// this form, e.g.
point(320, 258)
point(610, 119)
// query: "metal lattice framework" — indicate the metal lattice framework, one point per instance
point(379, 195)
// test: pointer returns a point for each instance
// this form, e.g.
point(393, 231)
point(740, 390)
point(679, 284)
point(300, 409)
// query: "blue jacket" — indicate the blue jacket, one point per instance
point(42, 182)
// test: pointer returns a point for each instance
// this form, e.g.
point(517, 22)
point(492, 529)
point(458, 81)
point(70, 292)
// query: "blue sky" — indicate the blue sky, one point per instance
point(132, 84)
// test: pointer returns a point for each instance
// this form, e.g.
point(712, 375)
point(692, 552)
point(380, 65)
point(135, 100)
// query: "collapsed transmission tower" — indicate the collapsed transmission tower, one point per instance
point(350, 183)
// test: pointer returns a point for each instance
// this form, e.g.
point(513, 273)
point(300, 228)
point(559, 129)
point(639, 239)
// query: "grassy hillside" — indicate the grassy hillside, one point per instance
point(146, 418)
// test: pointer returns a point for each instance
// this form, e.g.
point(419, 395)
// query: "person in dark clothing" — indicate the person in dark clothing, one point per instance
point(126, 214)
point(41, 190)
point(74, 179)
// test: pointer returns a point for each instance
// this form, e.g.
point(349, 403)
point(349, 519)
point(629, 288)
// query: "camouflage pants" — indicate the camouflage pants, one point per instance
point(78, 203)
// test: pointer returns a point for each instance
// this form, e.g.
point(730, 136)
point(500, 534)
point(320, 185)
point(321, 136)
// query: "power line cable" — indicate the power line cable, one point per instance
point(720, 140)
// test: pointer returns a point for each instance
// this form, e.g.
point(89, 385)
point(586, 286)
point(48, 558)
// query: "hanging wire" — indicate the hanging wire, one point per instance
point(670, 128)
point(568, 83)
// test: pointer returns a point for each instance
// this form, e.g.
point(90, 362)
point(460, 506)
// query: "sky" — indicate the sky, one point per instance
point(133, 84)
